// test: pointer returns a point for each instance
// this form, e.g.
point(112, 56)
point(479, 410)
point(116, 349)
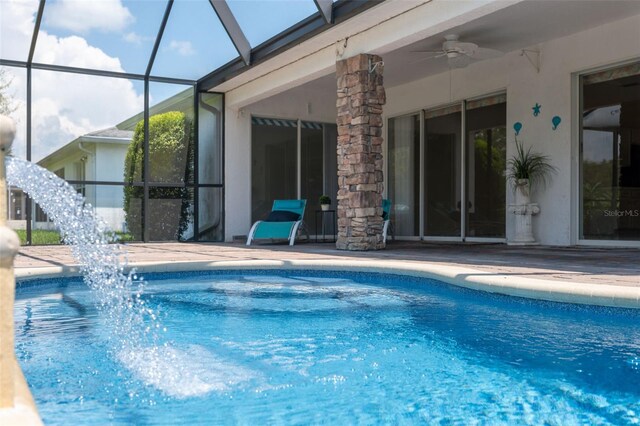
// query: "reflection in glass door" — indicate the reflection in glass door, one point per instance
point(442, 173)
point(486, 152)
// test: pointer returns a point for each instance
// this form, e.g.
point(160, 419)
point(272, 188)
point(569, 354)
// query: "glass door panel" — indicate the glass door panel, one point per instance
point(311, 146)
point(404, 174)
point(610, 155)
point(443, 132)
point(486, 163)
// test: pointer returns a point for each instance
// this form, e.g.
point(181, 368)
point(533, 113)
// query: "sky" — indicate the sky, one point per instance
point(118, 35)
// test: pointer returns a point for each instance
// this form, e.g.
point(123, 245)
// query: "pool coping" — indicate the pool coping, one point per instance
point(549, 290)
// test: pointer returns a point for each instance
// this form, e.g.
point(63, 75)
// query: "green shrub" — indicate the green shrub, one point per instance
point(170, 161)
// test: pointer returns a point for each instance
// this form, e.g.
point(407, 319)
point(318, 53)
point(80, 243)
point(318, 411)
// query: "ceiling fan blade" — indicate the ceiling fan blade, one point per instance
point(417, 61)
point(431, 55)
point(465, 48)
point(485, 53)
point(427, 51)
point(459, 61)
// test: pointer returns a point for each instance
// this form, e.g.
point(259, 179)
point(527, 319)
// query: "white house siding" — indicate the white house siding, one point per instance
point(108, 199)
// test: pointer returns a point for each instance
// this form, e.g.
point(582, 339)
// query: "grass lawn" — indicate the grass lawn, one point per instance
point(40, 237)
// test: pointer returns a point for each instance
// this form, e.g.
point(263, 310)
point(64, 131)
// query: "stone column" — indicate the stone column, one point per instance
point(360, 99)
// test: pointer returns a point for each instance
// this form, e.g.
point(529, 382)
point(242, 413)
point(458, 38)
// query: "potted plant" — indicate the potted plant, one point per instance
point(527, 169)
point(325, 202)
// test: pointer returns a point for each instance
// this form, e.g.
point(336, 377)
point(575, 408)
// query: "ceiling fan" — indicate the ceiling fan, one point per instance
point(460, 54)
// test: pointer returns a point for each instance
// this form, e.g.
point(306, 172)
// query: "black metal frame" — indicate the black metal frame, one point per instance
point(327, 15)
point(292, 36)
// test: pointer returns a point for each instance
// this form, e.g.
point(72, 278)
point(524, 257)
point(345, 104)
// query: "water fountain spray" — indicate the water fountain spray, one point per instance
point(16, 403)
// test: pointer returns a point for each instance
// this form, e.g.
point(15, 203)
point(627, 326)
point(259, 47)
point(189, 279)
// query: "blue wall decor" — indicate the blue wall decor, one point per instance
point(556, 122)
point(536, 109)
point(517, 126)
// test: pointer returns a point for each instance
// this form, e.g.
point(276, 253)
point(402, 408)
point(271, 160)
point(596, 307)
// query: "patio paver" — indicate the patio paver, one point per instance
point(619, 267)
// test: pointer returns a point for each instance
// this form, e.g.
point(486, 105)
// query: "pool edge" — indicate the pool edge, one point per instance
point(555, 291)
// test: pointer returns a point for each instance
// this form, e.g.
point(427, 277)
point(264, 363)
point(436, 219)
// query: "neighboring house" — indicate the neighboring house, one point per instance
point(94, 157)
point(99, 157)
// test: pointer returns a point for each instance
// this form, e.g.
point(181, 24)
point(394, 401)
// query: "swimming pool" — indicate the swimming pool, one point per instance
point(255, 347)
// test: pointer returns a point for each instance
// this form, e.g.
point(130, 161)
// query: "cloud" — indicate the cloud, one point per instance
point(132, 38)
point(66, 105)
point(84, 16)
point(16, 28)
point(135, 38)
point(184, 48)
point(73, 51)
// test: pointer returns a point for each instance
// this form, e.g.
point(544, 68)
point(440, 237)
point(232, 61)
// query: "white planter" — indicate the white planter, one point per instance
point(523, 210)
point(325, 207)
point(523, 196)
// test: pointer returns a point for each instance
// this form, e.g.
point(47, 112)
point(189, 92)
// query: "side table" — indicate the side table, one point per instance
point(323, 218)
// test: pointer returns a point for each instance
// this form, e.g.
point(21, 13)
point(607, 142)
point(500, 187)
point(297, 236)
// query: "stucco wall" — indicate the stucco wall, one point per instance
point(237, 173)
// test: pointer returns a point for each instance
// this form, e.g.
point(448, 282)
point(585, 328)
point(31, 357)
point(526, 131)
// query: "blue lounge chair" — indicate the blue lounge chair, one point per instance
point(386, 217)
point(283, 222)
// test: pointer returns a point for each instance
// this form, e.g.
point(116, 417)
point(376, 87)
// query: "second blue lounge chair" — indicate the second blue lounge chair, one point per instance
point(283, 222)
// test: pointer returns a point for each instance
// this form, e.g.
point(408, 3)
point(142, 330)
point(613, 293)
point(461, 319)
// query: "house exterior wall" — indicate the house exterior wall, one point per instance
point(237, 173)
point(102, 162)
point(108, 200)
point(553, 87)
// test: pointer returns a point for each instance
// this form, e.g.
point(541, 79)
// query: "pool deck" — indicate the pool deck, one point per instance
point(601, 276)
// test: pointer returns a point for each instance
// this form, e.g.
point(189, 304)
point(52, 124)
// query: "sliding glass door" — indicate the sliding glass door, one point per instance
point(404, 174)
point(460, 153)
point(442, 172)
point(274, 152)
point(610, 155)
point(486, 153)
point(292, 159)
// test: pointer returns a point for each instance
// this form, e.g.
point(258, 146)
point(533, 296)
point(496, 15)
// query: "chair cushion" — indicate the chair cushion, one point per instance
point(282, 216)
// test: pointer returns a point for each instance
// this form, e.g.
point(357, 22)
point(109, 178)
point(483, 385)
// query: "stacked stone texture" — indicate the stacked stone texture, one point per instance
point(360, 98)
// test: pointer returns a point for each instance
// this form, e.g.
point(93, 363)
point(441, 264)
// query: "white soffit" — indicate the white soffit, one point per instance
point(383, 28)
point(395, 28)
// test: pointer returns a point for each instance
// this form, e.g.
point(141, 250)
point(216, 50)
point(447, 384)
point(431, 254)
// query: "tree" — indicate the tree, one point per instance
point(170, 162)
point(7, 105)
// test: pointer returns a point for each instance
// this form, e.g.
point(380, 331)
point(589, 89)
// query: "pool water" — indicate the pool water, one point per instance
point(276, 347)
